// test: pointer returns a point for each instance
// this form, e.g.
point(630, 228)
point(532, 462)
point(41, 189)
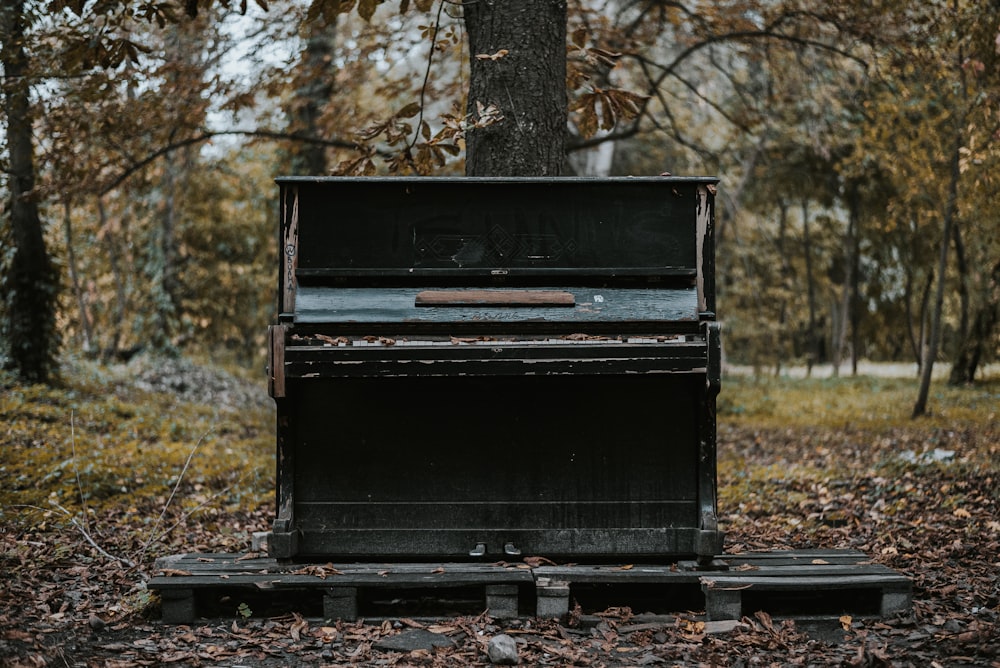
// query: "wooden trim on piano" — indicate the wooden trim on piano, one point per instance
point(276, 361)
point(495, 298)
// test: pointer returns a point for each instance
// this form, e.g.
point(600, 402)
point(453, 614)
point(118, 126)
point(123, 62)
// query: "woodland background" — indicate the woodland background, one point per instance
point(857, 220)
point(856, 143)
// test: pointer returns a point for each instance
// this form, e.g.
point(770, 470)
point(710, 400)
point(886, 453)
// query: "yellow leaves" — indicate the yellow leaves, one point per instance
point(593, 56)
point(297, 626)
point(492, 56)
point(603, 109)
point(535, 562)
point(321, 571)
point(366, 8)
point(328, 10)
point(409, 111)
point(362, 165)
point(487, 115)
point(422, 5)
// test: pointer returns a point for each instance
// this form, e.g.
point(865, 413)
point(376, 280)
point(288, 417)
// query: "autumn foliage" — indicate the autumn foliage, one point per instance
point(126, 463)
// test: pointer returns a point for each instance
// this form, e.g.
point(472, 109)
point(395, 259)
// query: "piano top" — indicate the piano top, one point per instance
point(560, 254)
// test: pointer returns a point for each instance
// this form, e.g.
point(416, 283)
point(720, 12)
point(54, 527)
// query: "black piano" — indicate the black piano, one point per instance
point(477, 369)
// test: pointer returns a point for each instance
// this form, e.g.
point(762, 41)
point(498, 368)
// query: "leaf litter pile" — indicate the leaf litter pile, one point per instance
point(120, 465)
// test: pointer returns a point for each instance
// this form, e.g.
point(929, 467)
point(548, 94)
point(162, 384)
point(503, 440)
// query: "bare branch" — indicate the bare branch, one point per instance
point(138, 165)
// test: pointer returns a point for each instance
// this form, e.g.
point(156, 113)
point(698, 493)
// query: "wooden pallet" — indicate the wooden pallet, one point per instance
point(782, 582)
point(806, 582)
point(787, 583)
point(341, 586)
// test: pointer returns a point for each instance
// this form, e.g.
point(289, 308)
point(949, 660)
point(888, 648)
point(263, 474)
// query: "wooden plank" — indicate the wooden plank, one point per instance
point(276, 361)
point(799, 554)
point(369, 306)
point(495, 298)
point(826, 570)
point(621, 574)
point(805, 582)
point(791, 581)
point(726, 596)
point(180, 576)
point(188, 571)
point(289, 251)
point(406, 226)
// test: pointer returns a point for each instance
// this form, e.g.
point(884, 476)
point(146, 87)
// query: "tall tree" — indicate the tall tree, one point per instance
point(313, 87)
point(29, 281)
point(518, 70)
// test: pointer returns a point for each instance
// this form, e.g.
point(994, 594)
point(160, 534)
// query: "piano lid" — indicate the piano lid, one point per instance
point(320, 304)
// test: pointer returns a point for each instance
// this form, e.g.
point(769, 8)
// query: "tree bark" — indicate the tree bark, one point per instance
point(962, 266)
point(931, 349)
point(74, 277)
point(854, 302)
point(29, 283)
point(313, 89)
point(527, 84)
point(813, 355)
point(972, 347)
point(164, 272)
point(115, 263)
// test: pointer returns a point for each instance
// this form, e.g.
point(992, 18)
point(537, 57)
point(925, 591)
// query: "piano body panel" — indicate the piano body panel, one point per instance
point(579, 425)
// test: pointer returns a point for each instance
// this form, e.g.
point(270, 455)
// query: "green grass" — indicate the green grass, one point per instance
point(98, 447)
point(864, 401)
point(799, 451)
point(97, 443)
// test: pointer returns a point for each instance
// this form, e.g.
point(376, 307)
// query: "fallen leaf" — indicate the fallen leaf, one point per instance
point(535, 562)
point(492, 56)
point(320, 571)
point(173, 572)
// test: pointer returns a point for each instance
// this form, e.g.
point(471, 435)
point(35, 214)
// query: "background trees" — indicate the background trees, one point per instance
point(28, 281)
point(843, 133)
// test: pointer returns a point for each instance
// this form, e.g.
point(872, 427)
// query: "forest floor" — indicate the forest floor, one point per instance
point(119, 465)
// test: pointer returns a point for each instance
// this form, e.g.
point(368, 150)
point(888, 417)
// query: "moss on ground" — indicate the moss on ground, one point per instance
point(109, 442)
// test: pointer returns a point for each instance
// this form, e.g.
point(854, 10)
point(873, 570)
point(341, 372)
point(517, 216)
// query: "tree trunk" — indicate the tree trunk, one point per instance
point(121, 290)
point(786, 277)
point(313, 89)
point(812, 357)
point(854, 278)
point(163, 276)
point(923, 331)
point(931, 349)
point(527, 85)
point(970, 352)
point(962, 266)
point(74, 277)
point(29, 283)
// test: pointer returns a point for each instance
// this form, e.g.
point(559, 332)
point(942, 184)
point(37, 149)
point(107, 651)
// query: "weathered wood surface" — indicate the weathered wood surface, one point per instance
point(329, 305)
point(511, 298)
point(387, 358)
point(534, 224)
point(580, 449)
point(797, 582)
